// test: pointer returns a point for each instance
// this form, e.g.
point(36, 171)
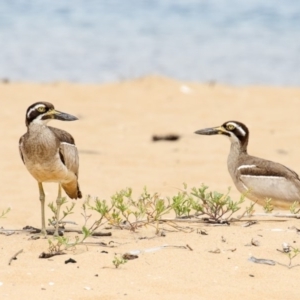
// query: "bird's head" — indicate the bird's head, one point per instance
point(43, 112)
point(236, 131)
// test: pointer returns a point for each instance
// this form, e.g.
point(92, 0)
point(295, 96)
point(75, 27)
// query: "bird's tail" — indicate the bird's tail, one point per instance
point(72, 189)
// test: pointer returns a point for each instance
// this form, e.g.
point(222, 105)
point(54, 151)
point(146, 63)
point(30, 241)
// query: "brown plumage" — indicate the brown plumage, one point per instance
point(49, 153)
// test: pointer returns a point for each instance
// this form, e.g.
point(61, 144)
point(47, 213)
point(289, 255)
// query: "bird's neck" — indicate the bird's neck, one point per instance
point(36, 127)
point(40, 133)
point(236, 150)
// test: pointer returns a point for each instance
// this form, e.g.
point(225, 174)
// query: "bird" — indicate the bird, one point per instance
point(257, 178)
point(50, 154)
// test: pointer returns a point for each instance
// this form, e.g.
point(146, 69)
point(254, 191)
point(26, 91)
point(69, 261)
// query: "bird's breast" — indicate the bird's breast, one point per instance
point(39, 147)
point(52, 170)
point(40, 151)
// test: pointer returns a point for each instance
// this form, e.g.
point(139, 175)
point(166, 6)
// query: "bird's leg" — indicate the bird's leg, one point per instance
point(58, 203)
point(42, 199)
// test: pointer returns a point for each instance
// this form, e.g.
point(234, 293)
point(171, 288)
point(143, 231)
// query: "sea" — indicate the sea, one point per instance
point(234, 42)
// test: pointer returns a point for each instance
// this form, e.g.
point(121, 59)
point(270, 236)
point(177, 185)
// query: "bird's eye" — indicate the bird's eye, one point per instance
point(230, 127)
point(41, 109)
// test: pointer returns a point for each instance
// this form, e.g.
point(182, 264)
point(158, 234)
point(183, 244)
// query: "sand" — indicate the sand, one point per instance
point(114, 137)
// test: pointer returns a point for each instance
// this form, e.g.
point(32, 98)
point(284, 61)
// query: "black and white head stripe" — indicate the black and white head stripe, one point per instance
point(239, 129)
point(37, 110)
point(236, 131)
point(33, 110)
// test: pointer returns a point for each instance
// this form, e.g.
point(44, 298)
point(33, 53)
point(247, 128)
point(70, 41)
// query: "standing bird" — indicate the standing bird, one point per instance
point(255, 177)
point(50, 154)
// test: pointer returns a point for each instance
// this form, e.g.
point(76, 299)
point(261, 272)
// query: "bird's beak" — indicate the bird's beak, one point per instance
point(211, 131)
point(58, 115)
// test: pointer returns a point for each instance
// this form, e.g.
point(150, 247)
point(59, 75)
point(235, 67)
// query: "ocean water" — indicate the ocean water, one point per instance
point(229, 41)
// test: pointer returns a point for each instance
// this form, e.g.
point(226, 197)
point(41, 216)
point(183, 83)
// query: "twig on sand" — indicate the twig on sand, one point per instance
point(189, 247)
point(32, 229)
point(276, 215)
point(14, 256)
point(249, 223)
point(288, 266)
point(93, 234)
point(98, 244)
point(48, 255)
point(6, 232)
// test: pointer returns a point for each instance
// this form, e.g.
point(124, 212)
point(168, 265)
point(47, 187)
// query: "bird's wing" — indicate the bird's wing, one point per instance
point(67, 150)
point(20, 147)
point(280, 182)
point(261, 167)
point(69, 156)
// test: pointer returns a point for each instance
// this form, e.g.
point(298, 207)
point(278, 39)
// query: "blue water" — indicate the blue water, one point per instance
point(230, 41)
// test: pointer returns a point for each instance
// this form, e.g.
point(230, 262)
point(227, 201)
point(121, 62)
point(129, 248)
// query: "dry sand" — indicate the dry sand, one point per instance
point(113, 135)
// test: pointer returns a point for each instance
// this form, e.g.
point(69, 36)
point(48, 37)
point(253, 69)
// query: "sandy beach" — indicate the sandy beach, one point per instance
point(114, 139)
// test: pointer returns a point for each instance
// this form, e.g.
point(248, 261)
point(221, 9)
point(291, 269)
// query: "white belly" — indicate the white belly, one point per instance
point(282, 191)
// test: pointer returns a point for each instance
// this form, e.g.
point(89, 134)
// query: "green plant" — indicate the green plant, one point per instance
point(155, 208)
point(292, 254)
point(217, 206)
point(119, 261)
point(250, 209)
point(4, 213)
point(129, 213)
point(183, 203)
point(268, 207)
point(58, 244)
point(295, 209)
point(122, 211)
point(99, 206)
point(68, 211)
